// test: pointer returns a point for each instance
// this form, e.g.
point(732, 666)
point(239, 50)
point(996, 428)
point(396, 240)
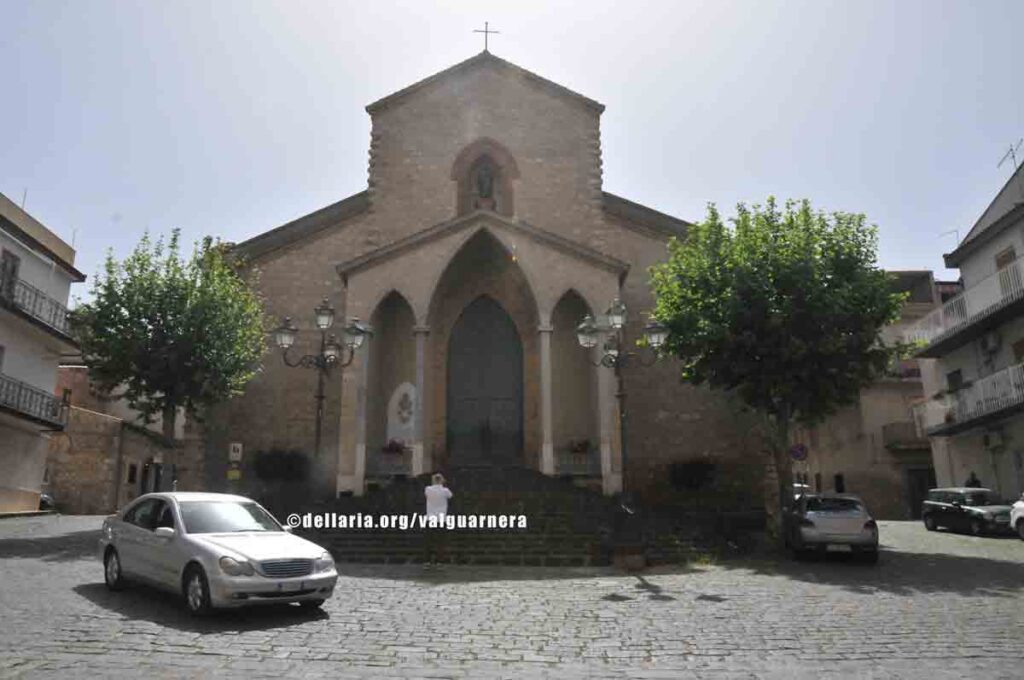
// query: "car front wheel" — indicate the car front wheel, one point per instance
point(197, 591)
point(112, 574)
point(929, 523)
point(977, 528)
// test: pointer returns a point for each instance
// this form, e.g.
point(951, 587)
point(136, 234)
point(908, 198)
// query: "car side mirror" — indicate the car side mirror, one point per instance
point(958, 505)
point(287, 528)
point(164, 532)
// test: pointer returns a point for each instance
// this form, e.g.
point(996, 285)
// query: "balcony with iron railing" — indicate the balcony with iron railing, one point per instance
point(25, 401)
point(29, 300)
point(981, 402)
point(982, 307)
point(903, 436)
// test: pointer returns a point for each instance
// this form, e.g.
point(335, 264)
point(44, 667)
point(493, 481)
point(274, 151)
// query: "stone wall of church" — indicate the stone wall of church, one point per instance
point(670, 423)
point(554, 140)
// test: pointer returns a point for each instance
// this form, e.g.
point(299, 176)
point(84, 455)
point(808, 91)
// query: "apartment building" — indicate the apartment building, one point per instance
point(972, 354)
point(36, 272)
point(872, 448)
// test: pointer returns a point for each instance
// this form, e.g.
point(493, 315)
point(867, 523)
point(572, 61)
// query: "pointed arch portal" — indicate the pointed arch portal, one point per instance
point(485, 387)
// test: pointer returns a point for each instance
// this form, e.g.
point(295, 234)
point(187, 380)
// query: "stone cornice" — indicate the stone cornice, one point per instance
point(437, 231)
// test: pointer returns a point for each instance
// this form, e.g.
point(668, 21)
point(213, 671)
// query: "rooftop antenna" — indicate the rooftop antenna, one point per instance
point(24, 195)
point(1011, 155)
point(952, 231)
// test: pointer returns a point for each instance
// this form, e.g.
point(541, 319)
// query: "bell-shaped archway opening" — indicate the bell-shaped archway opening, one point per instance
point(575, 436)
point(483, 360)
point(391, 388)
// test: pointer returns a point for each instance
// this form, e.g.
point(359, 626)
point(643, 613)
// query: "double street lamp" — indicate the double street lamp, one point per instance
point(609, 332)
point(333, 354)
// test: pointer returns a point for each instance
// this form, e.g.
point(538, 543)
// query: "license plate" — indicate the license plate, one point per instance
point(289, 586)
point(838, 548)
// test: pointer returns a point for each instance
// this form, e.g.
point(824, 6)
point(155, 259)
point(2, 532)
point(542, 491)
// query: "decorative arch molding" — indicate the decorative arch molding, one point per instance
point(484, 172)
point(381, 298)
point(467, 239)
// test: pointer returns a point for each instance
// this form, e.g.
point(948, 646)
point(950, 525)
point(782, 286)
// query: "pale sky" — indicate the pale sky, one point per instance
point(230, 118)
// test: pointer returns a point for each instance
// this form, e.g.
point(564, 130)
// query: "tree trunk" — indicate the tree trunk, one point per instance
point(778, 503)
point(169, 417)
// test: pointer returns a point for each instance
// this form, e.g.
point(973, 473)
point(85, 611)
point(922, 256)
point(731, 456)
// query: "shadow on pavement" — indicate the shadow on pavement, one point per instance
point(139, 602)
point(899, 573)
point(60, 547)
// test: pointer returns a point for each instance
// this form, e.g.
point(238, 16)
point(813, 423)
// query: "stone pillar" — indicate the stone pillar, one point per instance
point(608, 423)
point(361, 382)
point(419, 408)
point(547, 451)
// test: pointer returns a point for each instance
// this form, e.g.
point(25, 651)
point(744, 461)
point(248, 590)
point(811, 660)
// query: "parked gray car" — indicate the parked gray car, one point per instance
point(217, 550)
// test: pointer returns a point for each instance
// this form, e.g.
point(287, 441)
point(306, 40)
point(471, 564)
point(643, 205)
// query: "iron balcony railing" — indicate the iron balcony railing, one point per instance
point(31, 401)
point(978, 301)
point(984, 396)
point(36, 304)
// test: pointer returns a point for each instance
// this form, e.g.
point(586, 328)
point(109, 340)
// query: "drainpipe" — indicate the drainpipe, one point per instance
point(119, 467)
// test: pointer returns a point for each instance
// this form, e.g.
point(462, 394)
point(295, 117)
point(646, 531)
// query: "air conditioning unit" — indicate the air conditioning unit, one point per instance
point(990, 343)
point(992, 440)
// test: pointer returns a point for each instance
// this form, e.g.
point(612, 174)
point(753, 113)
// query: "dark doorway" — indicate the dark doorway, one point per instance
point(919, 481)
point(485, 387)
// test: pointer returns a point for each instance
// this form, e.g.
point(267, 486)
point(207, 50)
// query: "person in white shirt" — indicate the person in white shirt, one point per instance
point(437, 495)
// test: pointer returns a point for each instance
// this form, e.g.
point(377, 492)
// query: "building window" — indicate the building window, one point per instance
point(1005, 257)
point(133, 473)
point(10, 264)
point(1018, 351)
point(840, 483)
point(817, 482)
point(955, 380)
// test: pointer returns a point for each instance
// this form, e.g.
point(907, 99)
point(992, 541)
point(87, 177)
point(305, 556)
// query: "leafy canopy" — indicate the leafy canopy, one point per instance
point(171, 333)
point(785, 308)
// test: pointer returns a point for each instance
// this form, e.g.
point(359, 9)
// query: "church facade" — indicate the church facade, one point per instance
point(483, 238)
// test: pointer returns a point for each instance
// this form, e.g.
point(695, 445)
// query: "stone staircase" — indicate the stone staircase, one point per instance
point(566, 525)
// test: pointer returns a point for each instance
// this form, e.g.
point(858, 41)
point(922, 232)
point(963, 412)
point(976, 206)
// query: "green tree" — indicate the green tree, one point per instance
point(784, 309)
point(164, 333)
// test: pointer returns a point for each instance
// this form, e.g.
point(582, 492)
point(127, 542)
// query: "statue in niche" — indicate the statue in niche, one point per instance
point(485, 187)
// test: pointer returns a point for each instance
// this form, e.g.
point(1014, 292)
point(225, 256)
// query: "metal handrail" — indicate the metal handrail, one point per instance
point(988, 294)
point(986, 395)
point(38, 305)
point(31, 401)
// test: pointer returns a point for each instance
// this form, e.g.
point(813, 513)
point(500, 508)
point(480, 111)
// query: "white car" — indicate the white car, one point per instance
point(217, 550)
point(819, 523)
point(1017, 517)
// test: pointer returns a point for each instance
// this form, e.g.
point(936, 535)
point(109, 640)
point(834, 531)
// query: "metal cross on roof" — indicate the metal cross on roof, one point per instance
point(487, 33)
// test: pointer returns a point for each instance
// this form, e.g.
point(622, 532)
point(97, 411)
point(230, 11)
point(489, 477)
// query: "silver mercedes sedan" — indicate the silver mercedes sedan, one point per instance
point(217, 550)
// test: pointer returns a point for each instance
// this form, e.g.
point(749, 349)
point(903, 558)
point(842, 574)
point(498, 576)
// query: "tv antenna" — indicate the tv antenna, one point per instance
point(1011, 155)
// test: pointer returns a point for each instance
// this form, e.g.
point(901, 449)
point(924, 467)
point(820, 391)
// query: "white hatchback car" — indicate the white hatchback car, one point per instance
point(217, 550)
point(831, 523)
point(1017, 517)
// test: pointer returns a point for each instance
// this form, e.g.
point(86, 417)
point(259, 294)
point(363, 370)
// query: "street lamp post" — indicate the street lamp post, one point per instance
point(615, 354)
point(332, 354)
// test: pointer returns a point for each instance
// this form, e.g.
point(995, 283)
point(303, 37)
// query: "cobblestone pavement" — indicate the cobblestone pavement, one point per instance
point(937, 605)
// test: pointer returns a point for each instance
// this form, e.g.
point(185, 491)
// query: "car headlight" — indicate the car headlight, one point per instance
point(233, 567)
point(324, 563)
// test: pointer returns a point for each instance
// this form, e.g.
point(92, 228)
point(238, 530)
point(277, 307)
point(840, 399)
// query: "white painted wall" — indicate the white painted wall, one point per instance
point(38, 270)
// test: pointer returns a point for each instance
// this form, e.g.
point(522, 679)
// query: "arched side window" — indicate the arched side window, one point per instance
point(484, 172)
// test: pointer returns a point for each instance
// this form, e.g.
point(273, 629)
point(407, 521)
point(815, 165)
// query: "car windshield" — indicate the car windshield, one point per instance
point(834, 506)
point(215, 517)
point(976, 498)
